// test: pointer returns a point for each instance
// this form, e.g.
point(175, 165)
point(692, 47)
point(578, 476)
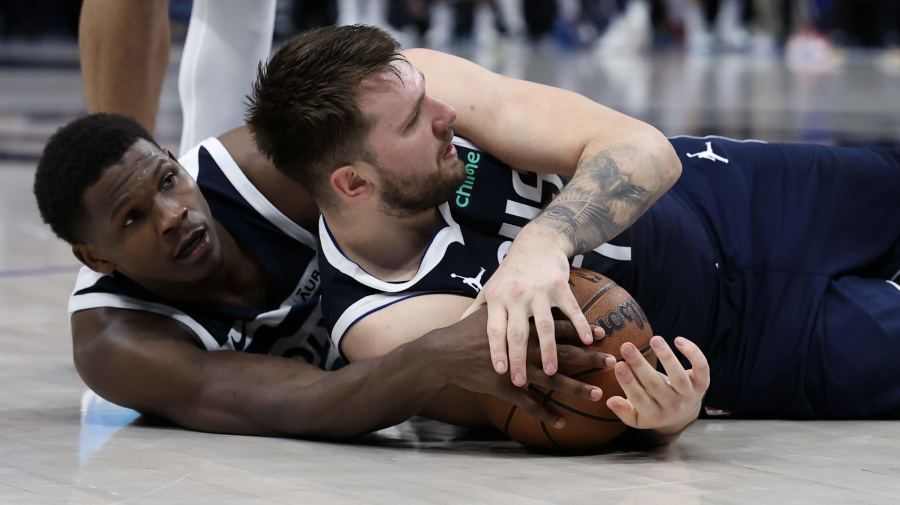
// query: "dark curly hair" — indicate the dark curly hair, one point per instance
point(73, 160)
point(304, 111)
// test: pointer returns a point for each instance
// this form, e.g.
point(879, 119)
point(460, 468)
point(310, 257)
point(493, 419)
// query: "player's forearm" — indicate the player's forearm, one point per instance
point(261, 395)
point(612, 187)
point(124, 51)
point(372, 394)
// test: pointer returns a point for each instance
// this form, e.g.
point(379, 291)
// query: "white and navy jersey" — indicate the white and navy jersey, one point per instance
point(781, 261)
point(291, 323)
point(657, 256)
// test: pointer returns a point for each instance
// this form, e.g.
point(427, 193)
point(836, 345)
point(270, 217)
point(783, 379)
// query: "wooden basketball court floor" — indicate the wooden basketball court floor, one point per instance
point(61, 444)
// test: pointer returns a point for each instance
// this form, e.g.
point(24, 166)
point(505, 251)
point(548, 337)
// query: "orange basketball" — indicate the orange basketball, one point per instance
point(588, 424)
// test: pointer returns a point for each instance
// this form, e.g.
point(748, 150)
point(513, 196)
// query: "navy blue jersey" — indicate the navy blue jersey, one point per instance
point(666, 251)
point(779, 260)
point(290, 325)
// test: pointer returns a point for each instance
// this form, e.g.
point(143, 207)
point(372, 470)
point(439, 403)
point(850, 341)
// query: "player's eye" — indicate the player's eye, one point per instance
point(130, 218)
point(169, 180)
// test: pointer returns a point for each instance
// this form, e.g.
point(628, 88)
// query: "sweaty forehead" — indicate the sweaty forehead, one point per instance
point(137, 161)
point(141, 152)
point(401, 75)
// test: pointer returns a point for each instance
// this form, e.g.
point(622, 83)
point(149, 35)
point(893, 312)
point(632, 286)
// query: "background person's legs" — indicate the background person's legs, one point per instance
point(225, 42)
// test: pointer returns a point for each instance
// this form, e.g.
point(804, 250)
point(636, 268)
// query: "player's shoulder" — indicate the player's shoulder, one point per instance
point(111, 326)
point(127, 303)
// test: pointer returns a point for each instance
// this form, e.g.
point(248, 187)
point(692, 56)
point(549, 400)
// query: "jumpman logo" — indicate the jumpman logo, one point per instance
point(708, 154)
point(473, 282)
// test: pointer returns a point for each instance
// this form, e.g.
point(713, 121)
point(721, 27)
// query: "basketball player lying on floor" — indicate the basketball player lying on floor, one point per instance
point(386, 235)
point(209, 255)
point(791, 297)
point(177, 267)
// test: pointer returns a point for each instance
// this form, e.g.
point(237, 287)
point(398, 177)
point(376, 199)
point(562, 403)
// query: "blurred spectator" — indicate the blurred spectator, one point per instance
point(404, 15)
point(629, 30)
point(469, 13)
point(308, 14)
point(540, 17)
point(716, 24)
point(866, 23)
point(39, 18)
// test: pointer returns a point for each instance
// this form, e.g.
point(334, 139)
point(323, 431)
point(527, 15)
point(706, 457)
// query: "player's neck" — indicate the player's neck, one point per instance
point(389, 248)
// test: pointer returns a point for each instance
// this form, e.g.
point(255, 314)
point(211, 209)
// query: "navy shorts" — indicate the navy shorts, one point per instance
point(809, 244)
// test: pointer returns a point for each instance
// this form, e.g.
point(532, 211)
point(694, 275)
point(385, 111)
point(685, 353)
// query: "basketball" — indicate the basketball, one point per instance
point(588, 424)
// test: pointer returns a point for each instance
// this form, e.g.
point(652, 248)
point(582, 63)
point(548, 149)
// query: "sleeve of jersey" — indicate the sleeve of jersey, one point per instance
point(91, 292)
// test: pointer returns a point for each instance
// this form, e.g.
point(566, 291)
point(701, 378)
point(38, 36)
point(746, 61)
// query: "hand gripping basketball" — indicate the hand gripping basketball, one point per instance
point(588, 424)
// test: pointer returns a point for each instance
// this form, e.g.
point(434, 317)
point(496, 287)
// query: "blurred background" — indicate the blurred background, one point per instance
point(810, 70)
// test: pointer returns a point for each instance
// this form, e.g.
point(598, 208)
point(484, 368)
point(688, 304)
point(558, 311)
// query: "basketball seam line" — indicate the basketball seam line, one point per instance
point(599, 295)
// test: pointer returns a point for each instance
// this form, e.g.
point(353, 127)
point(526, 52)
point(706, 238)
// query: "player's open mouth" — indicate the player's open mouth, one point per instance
point(193, 246)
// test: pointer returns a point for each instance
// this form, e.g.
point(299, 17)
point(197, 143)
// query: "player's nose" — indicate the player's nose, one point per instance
point(445, 116)
point(170, 216)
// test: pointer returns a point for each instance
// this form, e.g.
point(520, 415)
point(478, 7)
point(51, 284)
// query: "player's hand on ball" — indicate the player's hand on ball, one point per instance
point(467, 367)
point(530, 282)
point(665, 403)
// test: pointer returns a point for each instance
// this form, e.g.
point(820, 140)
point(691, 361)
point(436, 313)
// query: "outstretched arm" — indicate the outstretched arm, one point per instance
point(151, 364)
point(380, 332)
point(620, 166)
point(124, 51)
point(659, 407)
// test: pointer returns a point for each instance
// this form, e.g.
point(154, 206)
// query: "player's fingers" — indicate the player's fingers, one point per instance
point(584, 358)
point(568, 305)
point(517, 330)
point(543, 323)
point(477, 304)
point(566, 334)
point(526, 402)
point(624, 409)
point(634, 390)
point(646, 375)
point(699, 365)
point(678, 378)
point(496, 332)
point(564, 384)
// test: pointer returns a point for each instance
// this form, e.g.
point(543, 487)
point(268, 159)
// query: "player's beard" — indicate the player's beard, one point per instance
point(409, 197)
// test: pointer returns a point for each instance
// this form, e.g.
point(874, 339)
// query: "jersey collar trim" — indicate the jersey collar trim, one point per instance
point(449, 234)
point(247, 190)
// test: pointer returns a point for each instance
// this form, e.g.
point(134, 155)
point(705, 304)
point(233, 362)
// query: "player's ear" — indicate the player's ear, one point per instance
point(92, 258)
point(350, 182)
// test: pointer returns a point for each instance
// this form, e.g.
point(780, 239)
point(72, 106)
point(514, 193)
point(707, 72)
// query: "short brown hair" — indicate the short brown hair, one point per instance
point(304, 109)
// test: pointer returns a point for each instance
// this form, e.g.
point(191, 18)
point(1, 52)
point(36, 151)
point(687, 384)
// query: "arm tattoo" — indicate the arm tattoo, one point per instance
point(598, 203)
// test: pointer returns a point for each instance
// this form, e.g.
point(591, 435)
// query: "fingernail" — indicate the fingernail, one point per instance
point(588, 337)
point(500, 367)
point(519, 379)
point(560, 423)
point(629, 350)
point(596, 394)
point(621, 369)
point(679, 341)
point(550, 368)
point(657, 343)
point(609, 361)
